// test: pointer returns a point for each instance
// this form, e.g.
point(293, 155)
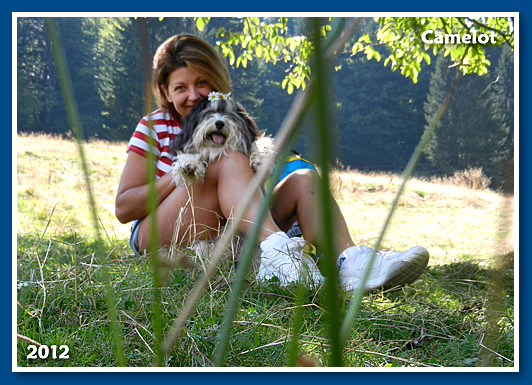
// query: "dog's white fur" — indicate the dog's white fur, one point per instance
point(261, 149)
point(199, 148)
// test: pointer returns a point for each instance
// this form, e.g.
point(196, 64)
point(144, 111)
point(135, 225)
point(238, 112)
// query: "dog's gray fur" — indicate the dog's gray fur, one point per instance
point(196, 146)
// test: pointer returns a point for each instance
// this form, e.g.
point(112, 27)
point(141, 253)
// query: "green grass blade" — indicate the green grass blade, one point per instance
point(354, 306)
point(246, 257)
point(286, 135)
point(153, 200)
point(332, 298)
point(244, 265)
point(297, 324)
point(316, 93)
point(75, 126)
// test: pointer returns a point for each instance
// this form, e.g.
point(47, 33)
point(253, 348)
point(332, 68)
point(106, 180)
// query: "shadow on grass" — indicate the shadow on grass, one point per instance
point(440, 320)
point(446, 317)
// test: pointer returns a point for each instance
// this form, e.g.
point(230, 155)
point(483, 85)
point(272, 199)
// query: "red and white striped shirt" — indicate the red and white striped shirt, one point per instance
point(164, 128)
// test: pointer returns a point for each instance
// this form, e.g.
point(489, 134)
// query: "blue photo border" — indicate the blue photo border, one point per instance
point(265, 376)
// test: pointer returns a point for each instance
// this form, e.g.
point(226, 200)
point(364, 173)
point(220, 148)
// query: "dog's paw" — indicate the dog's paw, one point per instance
point(189, 169)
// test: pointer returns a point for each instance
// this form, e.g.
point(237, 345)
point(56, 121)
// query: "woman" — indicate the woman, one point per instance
point(185, 70)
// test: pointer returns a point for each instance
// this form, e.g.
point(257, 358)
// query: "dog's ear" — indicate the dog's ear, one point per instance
point(189, 124)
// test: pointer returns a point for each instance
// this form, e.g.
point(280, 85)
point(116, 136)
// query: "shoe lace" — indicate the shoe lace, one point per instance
point(385, 254)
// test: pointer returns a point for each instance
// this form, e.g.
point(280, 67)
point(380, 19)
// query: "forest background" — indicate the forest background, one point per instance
point(379, 114)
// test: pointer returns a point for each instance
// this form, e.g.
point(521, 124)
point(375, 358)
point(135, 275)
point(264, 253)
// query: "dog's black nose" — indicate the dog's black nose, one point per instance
point(219, 124)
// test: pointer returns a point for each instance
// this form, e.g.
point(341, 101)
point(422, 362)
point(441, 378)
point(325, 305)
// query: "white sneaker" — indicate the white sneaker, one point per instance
point(286, 259)
point(390, 268)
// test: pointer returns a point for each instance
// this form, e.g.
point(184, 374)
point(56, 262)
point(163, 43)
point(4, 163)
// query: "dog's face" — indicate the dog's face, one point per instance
point(214, 126)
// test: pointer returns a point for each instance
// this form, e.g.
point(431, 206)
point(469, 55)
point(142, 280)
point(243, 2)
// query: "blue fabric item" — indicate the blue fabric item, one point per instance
point(294, 163)
point(133, 240)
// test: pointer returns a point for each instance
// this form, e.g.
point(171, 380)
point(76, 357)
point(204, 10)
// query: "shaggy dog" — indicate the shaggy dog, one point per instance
point(216, 124)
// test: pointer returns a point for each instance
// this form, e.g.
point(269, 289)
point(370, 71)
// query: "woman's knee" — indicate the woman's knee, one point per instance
point(232, 162)
point(294, 191)
point(302, 179)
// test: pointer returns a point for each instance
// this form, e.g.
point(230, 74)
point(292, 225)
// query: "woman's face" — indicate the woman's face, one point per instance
point(186, 89)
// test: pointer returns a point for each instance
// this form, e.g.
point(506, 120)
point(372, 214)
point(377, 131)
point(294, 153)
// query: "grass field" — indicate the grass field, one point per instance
point(460, 313)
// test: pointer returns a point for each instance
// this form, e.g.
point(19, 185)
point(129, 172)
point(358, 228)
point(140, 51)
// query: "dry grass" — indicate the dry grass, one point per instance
point(60, 297)
point(452, 221)
point(49, 179)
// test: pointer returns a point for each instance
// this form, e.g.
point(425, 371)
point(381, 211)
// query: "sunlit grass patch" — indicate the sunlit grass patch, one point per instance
point(450, 221)
point(61, 296)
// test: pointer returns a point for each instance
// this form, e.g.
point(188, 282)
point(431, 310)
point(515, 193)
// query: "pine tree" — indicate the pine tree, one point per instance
point(503, 93)
point(122, 84)
point(380, 114)
point(470, 134)
point(503, 111)
point(38, 92)
point(39, 100)
point(79, 37)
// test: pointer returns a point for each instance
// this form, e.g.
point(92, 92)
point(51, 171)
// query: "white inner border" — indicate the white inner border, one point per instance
point(16, 15)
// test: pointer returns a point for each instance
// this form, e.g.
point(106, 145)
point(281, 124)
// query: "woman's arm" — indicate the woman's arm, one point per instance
point(132, 196)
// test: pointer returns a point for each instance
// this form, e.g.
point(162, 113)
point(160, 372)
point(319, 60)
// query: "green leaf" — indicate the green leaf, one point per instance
point(201, 22)
point(290, 89)
point(270, 40)
point(258, 50)
point(365, 38)
point(427, 58)
point(293, 44)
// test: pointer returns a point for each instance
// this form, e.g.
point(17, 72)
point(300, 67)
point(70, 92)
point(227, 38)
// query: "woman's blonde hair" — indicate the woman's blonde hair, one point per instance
point(190, 51)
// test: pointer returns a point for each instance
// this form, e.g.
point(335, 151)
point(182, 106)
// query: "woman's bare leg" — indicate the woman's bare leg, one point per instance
point(203, 208)
point(235, 175)
point(296, 197)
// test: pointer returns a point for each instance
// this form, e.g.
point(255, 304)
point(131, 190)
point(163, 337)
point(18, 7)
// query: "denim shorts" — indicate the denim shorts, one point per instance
point(133, 240)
